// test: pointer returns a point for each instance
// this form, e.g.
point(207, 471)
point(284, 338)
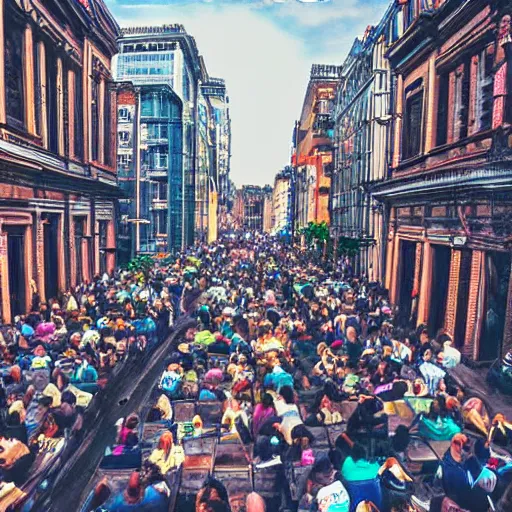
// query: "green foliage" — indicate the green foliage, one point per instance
point(348, 246)
point(141, 265)
point(316, 233)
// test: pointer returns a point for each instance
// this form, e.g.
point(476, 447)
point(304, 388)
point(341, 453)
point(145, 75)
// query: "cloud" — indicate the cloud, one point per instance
point(264, 51)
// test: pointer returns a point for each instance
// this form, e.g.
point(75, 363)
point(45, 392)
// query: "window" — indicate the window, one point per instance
point(95, 136)
point(484, 90)
point(411, 136)
point(37, 89)
point(107, 126)
point(125, 116)
point(78, 117)
point(13, 55)
point(124, 161)
point(442, 109)
point(124, 138)
point(52, 99)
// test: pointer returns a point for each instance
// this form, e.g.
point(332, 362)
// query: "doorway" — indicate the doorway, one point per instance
point(497, 275)
point(441, 258)
point(79, 236)
point(406, 281)
point(17, 271)
point(51, 258)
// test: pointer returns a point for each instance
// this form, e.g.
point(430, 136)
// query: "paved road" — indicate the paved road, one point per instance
point(125, 394)
point(474, 381)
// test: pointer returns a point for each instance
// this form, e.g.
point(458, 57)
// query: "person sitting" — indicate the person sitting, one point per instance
point(15, 427)
point(170, 381)
point(135, 497)
point(167, 455)
point(367, 419)
point(161, 411)
point(460, 481)
point(128, 434)
point(437, 425)
point(212, 497)
point(358, 467)
point(262, 412)
point(501, 431)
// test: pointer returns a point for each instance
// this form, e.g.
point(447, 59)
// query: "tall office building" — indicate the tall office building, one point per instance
point(163, 64)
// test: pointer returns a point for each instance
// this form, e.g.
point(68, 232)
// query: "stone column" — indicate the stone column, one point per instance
point(395, 270)
point(431, 104)
point(28, 78)
point(39, 256)
point(60, 106)
point(398, 120)
point(453, 291)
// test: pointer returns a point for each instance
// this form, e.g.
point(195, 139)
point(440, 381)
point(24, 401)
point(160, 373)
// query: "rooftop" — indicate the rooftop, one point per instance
point(175, 28)
point(325, 72)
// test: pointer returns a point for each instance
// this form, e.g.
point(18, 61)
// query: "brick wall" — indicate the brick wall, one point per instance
point(453, 289)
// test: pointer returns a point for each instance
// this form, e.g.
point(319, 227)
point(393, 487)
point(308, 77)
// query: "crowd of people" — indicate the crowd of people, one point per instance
point(284, 340)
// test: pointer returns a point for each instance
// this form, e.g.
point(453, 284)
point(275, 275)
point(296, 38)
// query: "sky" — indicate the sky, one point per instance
point(264, 50)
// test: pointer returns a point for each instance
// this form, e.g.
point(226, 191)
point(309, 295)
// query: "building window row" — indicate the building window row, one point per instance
point(44, 92)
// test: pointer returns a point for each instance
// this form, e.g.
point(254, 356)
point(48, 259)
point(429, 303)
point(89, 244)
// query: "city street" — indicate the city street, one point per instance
point(255, 256)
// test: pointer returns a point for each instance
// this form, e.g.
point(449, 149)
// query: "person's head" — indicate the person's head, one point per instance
point(427, 355)
point(44, 404)
point(287, 393)
point(134, 491)
point(267, 400)
point(460, 447)
point(351, 334)
point(424, 337)
point(132, 421)
point(166, 442)
point(255, 503)
point(358, 452)
point(68, 397)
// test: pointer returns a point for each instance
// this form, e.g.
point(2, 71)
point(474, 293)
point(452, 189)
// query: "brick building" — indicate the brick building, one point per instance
point(58, 184)
point(313, 155)
point(448, 200)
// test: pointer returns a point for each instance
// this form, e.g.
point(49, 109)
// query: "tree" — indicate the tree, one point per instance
point(316, 233)
point(141, 266)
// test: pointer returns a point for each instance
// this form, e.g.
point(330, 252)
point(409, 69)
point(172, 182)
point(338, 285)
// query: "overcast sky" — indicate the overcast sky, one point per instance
point(264, 50)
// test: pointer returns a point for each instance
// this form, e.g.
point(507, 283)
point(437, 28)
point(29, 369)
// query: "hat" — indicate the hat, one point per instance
point(184, 348)
point(337, 344)
point(16, 406)
point(27, 331)
point(228, 312)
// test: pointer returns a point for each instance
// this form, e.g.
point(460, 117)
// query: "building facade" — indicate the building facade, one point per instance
point(58, 188)
point(313, 155)
point(282, 202)
point(249, 209)
point(150, 164)
point(448, 200)
point(167, 56)
point(361, 158)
